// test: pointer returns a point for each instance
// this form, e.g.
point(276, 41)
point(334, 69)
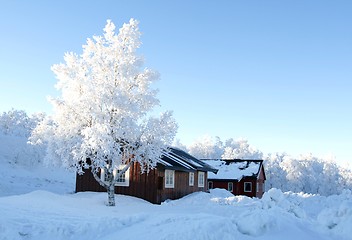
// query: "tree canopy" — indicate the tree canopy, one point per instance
point(102, 118)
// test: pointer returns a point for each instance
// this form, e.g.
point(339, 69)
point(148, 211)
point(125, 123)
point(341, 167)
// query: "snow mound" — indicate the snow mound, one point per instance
point(338, 216)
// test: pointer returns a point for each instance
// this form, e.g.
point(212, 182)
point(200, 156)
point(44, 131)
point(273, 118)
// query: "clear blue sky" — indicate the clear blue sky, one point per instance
point(275, 72)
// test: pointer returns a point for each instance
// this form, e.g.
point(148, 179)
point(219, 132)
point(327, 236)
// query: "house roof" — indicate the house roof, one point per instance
point(234, 169)
point(177, 159)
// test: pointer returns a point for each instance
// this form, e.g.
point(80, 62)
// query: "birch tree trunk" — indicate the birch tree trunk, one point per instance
point(111, 195)
point(111, 186)
point(108, 183)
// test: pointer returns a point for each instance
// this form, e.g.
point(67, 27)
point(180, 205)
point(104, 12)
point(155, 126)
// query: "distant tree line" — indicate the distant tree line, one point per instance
point(306, 173)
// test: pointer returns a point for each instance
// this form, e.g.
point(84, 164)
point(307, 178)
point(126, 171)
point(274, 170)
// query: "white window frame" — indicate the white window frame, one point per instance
point(169, 178)
point(125, 176)
point(244, 186)
point(230, 189)
point(191, 179)
point(201, 178)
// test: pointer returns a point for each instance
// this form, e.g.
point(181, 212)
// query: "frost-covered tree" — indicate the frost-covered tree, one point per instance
point(18, 122)
point(275, 174)
point(177, 144)
point(307, 173)
point(206, 147)
point(101, 121)
point(209, 147)
point(240, 149)
point(15, 128)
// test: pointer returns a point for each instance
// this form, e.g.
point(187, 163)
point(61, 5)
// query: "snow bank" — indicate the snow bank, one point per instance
point(337, 216)
point(215, 215)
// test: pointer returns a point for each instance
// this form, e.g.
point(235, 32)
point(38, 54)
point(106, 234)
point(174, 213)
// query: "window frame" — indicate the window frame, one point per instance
point(244, 186)
point(228, 186)
point(169, 175)
point(126, 176)
point(191, 179)
point(201, 179)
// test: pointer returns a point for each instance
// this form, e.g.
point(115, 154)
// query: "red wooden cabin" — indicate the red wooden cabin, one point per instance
point(176, 175)
point(241, 177)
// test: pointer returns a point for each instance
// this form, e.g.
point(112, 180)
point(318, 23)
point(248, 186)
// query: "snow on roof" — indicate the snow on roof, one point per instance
point(164, 163)
point(179, 161)
point(186, 157)
point(191, 161)
point(234, 169)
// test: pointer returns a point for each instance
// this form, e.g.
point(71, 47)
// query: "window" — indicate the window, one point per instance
point(210, 185)
point(123, 180)
point(200, 179)
point(230, 187)
point(169, 178)
point(191, 178)
point(248, 187)
point(257, 186)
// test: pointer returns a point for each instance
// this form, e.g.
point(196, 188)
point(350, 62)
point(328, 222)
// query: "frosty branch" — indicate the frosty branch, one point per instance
point(101, 115)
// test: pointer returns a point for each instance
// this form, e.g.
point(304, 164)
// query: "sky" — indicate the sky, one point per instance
point(277, 73)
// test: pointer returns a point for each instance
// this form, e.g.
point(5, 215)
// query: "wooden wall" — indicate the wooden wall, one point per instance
point(224, 185)
point(87, 182)
point(240, 186)
point(149, 186)
point(261, 183)
point(181, 186)
point(141, 185)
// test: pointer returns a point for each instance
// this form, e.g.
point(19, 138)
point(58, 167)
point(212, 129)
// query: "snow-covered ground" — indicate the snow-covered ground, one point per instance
point(21, 170)
point(57, 213)
point(40, 203)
